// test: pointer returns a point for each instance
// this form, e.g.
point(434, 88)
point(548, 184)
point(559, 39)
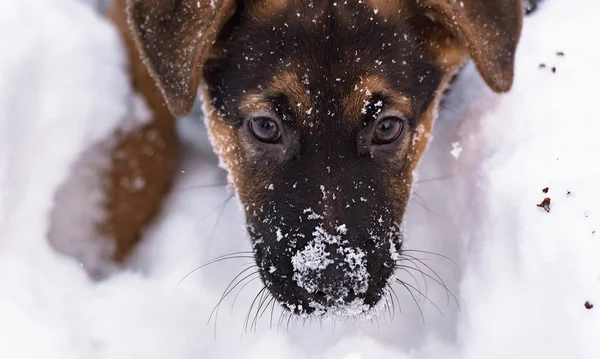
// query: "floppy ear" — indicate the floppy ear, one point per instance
point(174, 37)
point(489, 29)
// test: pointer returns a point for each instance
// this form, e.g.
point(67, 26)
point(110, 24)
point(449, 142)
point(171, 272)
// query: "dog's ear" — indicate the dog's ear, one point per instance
point(174, 37)
point(490, 31)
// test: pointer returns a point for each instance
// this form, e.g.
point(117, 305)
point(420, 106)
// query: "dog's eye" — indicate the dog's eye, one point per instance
point(388, 129)
point(265, 129)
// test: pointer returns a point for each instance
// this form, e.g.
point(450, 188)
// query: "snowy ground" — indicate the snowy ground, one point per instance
point(522, 275)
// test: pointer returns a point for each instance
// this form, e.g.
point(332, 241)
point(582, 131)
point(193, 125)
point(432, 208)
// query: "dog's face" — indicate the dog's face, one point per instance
point(316, 120)
point(320, 112)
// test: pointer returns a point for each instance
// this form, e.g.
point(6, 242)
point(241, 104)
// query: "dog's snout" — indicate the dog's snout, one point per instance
point(327, 247)
point(331, 273)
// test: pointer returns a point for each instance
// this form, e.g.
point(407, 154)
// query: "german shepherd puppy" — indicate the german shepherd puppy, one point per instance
point(318, 110)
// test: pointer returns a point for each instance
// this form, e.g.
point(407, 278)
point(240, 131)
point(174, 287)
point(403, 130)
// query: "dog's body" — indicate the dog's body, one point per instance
point(320, 112)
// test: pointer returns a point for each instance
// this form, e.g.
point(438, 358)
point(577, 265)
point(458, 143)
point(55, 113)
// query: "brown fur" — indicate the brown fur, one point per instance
point(490, 30)
point(176, 36)
point(355, 101)
point(388, 8)
point(422, 135)
point(223, 142)
point(263, 10)
point(286, 82)
point(149, 153)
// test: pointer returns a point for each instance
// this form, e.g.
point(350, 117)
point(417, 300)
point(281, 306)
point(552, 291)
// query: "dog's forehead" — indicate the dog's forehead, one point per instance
point(325, 56)
point(315, 10)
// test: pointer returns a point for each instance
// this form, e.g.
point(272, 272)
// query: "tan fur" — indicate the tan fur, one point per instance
point(391, 10)
point(255, 102)
point(421, 137)
point(354, 102)
point(414, 149)
point(229, 147)
point(232, 152)
point(289, 84)
point(263, 10)
point(286, 83)
point(222, 138)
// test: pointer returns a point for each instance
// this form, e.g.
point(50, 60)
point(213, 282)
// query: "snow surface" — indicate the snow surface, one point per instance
point(521, 274)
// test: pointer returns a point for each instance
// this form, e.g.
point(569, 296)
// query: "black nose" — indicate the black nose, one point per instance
point(321, 268)
point(326, 300)
point(330, 275)
point(330, 287)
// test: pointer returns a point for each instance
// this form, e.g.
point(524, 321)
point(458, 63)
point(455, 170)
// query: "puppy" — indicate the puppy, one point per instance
point(318, 110)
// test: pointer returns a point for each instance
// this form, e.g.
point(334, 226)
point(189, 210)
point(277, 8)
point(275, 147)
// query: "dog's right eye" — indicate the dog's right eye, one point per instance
point(265, 129)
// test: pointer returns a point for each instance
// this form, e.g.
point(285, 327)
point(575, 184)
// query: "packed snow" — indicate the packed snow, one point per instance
point(526, 278)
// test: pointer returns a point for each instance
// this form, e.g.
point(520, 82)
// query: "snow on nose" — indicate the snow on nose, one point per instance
point(329, 269)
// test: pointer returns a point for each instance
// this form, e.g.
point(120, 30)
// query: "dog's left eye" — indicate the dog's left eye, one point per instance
point(265, 129)
point(387, 130)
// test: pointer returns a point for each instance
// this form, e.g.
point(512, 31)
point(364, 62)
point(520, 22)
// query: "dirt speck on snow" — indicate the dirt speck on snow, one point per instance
point(545, 204)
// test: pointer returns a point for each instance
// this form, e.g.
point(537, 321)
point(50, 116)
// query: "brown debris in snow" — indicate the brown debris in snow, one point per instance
point(545, 204)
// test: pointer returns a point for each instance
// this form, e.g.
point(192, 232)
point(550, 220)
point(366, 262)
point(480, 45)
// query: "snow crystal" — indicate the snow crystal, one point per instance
point(342, 311)
point(341, 229)
point(312, 214)
point(322, 188)
point(456, 150)
point(308, 263)
point(358, 274)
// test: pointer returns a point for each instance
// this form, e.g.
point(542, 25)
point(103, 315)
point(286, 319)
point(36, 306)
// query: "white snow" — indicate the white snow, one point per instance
point(358, 274)
point(456, 150)
point(63, 90)
point(522, 275)
point(308, 262)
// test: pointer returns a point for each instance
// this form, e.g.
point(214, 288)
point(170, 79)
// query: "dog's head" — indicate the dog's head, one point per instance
point(320, 111)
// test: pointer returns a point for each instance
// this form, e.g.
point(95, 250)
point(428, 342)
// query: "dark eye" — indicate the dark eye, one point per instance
point(388, 129)
point(265, 129)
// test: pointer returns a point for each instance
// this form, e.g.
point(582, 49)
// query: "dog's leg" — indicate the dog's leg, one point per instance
point(143, 160)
